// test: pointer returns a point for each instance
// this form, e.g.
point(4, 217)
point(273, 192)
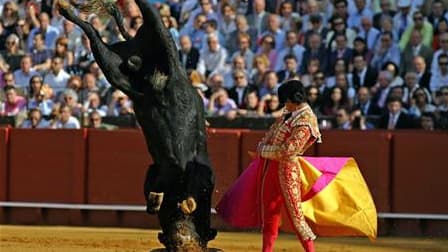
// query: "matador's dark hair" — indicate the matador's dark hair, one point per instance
point(293, 91)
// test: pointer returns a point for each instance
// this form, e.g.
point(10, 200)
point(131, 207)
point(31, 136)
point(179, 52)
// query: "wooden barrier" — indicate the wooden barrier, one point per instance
point(371, 151)
point(420, 172)
point(3, 171)
point(46, 166)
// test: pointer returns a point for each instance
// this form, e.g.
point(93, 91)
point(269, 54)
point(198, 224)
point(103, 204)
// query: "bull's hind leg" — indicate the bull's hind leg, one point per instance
point(153, 196)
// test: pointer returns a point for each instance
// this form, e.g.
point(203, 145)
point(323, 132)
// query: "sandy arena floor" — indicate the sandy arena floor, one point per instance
point(77, 239)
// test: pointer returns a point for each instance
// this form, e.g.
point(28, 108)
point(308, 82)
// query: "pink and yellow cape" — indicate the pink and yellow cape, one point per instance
point(336, 200)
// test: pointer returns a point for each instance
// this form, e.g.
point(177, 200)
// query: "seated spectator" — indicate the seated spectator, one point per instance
point(49, 32)
point(340, 67)
point(442, 108)
point(360, 48)
point(244, 50)
point(40, 55)
point(70, 99)
point(12, 53)
point(269, 106)
point(342, 119)
point(273, 29)
point(42, 100)
point(339, 26)
point(188, 55)
point(171, 24)
point(238, 63)
point(35, 120)
point(260, 66)
point(316, 51)
point(93, 103)
point(440, 78)
point(13, 104)
point(386, 51)
point(196, 31)
point(270, 84)
point(423, 73)
point(25, 72)
point(96, 122)
point(440, 28)
point(314, 99)
point(61, 50)
point(359, 121)
point(368, 34)
point(363, 74)
point(350, 93)
point(313, 67)
point(66, 120)
point(211, 27)
point(292, 47)
point(212, 58)
point(421, 103)
point(340, 52)
point(291, 68)
point(120, 105)
point(288, 17)
point(241, 88)
point(364, 103)
point(337, 99)
point(420, 25)
point(214, 82)
point(220, 103)
point(395, 118)
point(392, 68)
point(227, 23)
point(57, 77)
point(267, 48)
point(427, 121)
point(413, 49)
point(250, 110)
point(241, 28)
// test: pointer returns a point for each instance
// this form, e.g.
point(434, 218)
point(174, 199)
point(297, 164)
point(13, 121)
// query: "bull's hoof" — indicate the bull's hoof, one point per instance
point(188, 206)
point(154, 202)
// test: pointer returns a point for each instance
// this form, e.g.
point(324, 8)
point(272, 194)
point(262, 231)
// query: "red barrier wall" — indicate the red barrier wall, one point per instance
point(117, 164)
point(372, 153)
point(46, 166)
point(3, 170)
point(420, 172)
point(224, 151)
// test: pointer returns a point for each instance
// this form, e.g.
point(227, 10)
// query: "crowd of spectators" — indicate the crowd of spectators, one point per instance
point(365, 63)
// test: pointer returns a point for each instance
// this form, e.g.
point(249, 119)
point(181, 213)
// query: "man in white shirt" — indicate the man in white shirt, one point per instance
point(212, 58)
point(57, 77)
point(440, 78)
point(66, 120)
point(24, 74)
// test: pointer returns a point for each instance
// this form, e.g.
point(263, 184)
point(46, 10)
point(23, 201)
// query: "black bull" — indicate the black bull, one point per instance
point(170, 112)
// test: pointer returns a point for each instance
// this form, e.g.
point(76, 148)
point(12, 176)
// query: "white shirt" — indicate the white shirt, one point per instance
point(58, 81)
point(72, 123)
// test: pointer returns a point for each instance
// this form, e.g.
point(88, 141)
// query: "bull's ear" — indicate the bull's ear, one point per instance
point(158, 80)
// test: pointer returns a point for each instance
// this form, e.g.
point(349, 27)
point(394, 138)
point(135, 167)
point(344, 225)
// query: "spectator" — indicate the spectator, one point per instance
point(368, 33)
point(340, 67)
point(57, 77)
point(270, 84)
point(381, 90)
point(241, 88)
point(220, 103)
point(443, 40)
point(316, 27)
point(41, 98)
point(66, 119)
point(339, 26)
point(241, 28)
point(421, 103)
point(211, 28)
point(35, 120)
point(387, 25)
point(363, 74)
point(386, 51)
point(250, 109)
point(212, 58)
point(41, 56)
point(442, 108)
point(62, 50)
point(13, 104)
point(421, 25)
point(227, 23)
point(70, 98)
point(171, 24)
point(288, 18)
point(206, 9)
point(441, 28)
point(395, 118)
point(260, 66)
point(427, 121)
point(392, 68)
point(315, 51)
point(312, 10)
point(26, 71)
point(12, 54)
point(440, 77)
point(409, 87)
point(362, 11)
point(96, 122)
point(93, 104)
point(244, 50)
point(423, 73)
point(308, 77)
point(291, 48)
point(10, 17)
point(386, 11)
point(189, 55)
point(120, 105)
point(238, 63)
point(290, 63)
point(350, 93)
point(83, 54)
point(364, 103)
point(438, 13)
point(214, 82)
point(259, 17)
point(337, 99)
point(341, 51)
point(403, 18)
point(343, 119)
point(49, 33)
point(267, 48)
point(73, 35)
point(274, 30)
point(414, 48)
point(360, 47)
point(359, 121)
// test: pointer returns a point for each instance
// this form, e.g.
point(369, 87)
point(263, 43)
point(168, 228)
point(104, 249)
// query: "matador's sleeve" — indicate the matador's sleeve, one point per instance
point(295, 145)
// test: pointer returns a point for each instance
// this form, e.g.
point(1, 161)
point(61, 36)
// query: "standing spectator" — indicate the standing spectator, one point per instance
point(35, 120)
point(49, 33)
point(292, 47)
point(12, 54)
point(414, 48)
point(66, 119)
point(189, 55)
point(440, 78)
point(40, 55)
point(57, 77)
point(363, 74)
point(395, 118)
point(26, 71)
point(244, 50)
point(212, 58)
point(420, 24)
point(386, 51)
point(259, 17)
point(14, 104)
